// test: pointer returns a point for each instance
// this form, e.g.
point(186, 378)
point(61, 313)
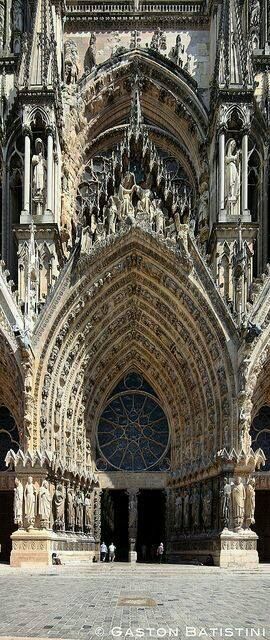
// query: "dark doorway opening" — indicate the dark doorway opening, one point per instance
point(114, 521)
point(7, 525)
point(151, 524)
point(262, 524)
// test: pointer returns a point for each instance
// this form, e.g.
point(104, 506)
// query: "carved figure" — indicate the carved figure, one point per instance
point(207, 507)
point(88, 513)
point(195, 508)
point(45, 503)
point(39, 171)
point(79, 502)
point(159, 218)
point(70, 509)
point(111, 215)
point(18, 503)
point(178, 511)
point(226, 503)
point(250, 502)
point(186, 510)
point(59, 507)
point(232, 163)
point(255, 13)
point(71, 65)
point(238, 503)
point(30, 503)
point(178, 51)
point(17, 11)
point(90, 56)
point(126, 191)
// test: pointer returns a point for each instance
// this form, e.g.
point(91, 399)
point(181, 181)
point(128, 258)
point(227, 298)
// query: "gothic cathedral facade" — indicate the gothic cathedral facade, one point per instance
point(135, 279)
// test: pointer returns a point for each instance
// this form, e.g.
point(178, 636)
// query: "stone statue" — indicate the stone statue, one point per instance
point(195, 508)
point(255, 13)
point(59, 507)
point(2, 26)
point(238, 503)
point(146, 197)
point(30, 503)
point(45, 503)
point(203, 211)
point(71, 66)
point(126, 191)
point(111, 215)
point(178, 511)
point(39, 172)
point(90, 56)
point(17, 12)
point(226, 503)
point(207, 507)
point(222, 64)
point(86, 240)
point(232, 163)
point(18, 503)
point(178, 51)
point(70, 509)
point(88, 513)
point(79, 502)
point(159, 218)
point(250, 502)
point(186, 510)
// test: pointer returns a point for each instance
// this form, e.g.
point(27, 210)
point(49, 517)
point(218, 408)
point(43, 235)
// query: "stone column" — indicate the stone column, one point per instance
point(245, 211)
point(50, 163)
point(25, 215)
point(221, 173)
point(132, 524)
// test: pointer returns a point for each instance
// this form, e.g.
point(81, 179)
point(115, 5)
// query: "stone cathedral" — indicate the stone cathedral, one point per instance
point(135, 280)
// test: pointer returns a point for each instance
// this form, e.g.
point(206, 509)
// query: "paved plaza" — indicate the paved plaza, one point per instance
point(141, 601)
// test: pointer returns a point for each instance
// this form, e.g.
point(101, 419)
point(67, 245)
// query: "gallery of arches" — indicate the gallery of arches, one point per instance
point(135, 281)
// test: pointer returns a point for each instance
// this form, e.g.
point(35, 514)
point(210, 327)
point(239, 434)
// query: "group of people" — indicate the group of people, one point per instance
point(104, 552)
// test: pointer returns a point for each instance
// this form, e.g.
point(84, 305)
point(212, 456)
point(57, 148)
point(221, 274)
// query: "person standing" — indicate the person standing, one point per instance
point(112, 549)
point(160, 552)
point(103, 552)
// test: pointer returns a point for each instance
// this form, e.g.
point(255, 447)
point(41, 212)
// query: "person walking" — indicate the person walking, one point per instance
point(103, 552)
point(112, 549)
point(160, 552)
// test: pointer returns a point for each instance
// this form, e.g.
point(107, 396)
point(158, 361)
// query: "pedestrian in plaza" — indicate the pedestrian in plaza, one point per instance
point(160, 552)
point(103, 552)
point(112, 549)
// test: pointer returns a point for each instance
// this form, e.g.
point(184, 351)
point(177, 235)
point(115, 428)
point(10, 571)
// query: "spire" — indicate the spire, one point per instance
point(232, 57)
point(39, 59)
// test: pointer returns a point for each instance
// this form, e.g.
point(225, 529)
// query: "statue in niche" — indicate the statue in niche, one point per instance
point(238, 503)
point(111, 213)
point(90, 56)
point(222, 64)
point(45, 503)
point(177, 52)
point(18, 503)
point(250, 502)
point(70, 509)
point(255, 14)
point(79, 504)
point(232, 165)
point(146, 199)
point(39, 165)
point(195, 508)
point(71, 64)
point(17, 15)
point(30, 503)
point(178, 511)
point(86, 239)
point(59, 507)
point(126, 190)
point(203, 212)
point(226, 503)
point(88, 513)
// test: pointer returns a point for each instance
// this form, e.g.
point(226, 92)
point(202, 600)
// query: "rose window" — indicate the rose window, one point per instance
point(133, 431)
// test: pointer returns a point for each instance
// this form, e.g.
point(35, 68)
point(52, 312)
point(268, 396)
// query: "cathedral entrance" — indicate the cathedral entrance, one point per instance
point(262, 526)
point(7, 524)
point(114, 521)
point(151, 523)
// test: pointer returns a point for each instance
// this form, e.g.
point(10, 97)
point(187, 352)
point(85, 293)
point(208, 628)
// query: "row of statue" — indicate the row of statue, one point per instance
point(194, 507)
point(65, 509)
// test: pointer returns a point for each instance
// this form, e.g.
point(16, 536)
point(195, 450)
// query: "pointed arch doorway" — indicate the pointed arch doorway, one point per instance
point(133, 456)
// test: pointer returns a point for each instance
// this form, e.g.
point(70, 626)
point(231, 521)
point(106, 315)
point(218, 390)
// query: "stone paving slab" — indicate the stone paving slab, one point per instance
point(97, 601)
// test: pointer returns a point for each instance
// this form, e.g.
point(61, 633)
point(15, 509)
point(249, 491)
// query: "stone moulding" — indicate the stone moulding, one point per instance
point(225, 549)
point(35, 547)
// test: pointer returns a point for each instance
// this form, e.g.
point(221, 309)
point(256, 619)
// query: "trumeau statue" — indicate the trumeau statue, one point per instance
point(45, 504)
point(18, 503)
point(250, 502)
point(238, 503)
point(232, 164)
point(30, 503)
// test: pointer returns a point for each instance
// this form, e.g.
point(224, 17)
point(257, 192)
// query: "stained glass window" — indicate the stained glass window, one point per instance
point(9, 436)
point(133, 431)
point(260, 434)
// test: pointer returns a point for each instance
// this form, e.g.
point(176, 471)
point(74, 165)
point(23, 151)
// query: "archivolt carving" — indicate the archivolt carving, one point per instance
point(136, 309)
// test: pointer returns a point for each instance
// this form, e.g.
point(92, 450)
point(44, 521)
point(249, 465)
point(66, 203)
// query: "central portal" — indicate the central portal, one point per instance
point(134, 520)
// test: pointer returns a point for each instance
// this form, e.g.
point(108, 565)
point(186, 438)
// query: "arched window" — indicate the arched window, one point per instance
point(9, 436)
point(133, 431)
point(260, 434)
